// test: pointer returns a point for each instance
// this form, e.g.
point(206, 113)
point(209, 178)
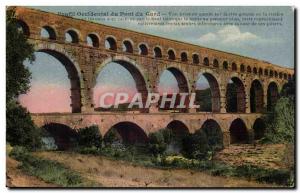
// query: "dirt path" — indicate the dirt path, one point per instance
point(16, 178)
point(112, 173)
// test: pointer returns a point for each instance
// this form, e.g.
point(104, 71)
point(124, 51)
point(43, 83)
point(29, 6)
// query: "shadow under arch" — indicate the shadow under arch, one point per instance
point(213, 133)
point(259, 128)
point(73, 75)
point(133, 68)
point(63, 135)
point(238, 132)
point(127, 133)
point(256, 97)
point(272, 95)
point(235, 95)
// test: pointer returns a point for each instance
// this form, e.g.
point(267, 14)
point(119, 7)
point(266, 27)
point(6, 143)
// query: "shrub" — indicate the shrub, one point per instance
point(157, 143)
point(90, 137)
point(20, 128)
point(195, 145)
point(110, 137)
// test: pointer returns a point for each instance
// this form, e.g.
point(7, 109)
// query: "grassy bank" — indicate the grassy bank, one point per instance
point(49, 171)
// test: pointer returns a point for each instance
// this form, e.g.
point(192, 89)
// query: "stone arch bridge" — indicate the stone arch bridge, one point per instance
point(91, 46)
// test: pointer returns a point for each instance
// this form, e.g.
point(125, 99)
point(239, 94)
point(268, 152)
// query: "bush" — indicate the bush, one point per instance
point(110, 137)
point(195, 145)
point(90, 137)
point(157, 142)
point(20, 129)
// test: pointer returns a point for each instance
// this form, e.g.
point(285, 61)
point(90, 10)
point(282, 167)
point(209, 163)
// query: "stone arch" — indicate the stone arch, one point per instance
point(272, 95)
point(196, 59)
point(256, 97)
point(171, 54)
point(260, 71)
point(74, 74)
point(23, 27)
point(249, 70)
point(129, 133)
point(214, 133)
point(50, 32)
point(285, 76)
point(63, 135)
point(238, 132)
point(178, 128)
point(157, 52)
point(280, 75)
point(242, 68)
point(266, 72)
point(215, 63)
point(206, 61)
point(259, 128)
point(215, 91)
point(235, 95)
point(275, 74)
point(184, 56)
point(182, 80)
point(143, 49)
point(234, 66)
point(225, 65)
point(74, 35)
point(255, 70)
point(110, 43)
point(93, 40)
point(127, 46)
point(133, 68)
point(271, 73)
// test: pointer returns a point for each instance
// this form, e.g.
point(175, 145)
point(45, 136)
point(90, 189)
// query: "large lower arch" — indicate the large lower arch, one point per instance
point(178, 128)
point(213, 134)
point(63, 135)
point(133, 68)
point(259, 128)
point(214, 92)
point(235, 96)
point(74, 76)
point(256, 97)
point(238, 132)
point(272, 96)
point(128, 133)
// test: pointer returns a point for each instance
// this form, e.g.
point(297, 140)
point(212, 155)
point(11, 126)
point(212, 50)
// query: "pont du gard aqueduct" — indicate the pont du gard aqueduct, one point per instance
point(146, 56)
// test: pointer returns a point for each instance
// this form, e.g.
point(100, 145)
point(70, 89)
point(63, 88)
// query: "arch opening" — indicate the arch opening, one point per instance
point(249, 70)
point(213, 134)
point(206, 61)
point(92, 40)
point(259, 128)
point(184, 57)
point(48, 32)
point(173, 81)
point(196, 59)
point(127, 47)
point(234, 67)
point(171, 55)
point(126, 133)
point(238, 132)
point(110, 44)
point(127, 79)
point(272, 95)
point(64, 137)
point(225, 65)
point(242, 68)
point(235, 96)
point(178, 131)
point(55, 84)
point(216, 63)
point(23, 27)
point(71, 36)
point(157, 52)
point(256, 97)
point(143, 50)
point(207, 93)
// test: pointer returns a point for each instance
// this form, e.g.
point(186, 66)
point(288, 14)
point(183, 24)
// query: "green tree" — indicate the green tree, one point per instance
point(89, 137)
point(281, 121)
point(20, 128)
point(17, 51)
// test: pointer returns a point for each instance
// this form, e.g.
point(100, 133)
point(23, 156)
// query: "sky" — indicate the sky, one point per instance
point(50, 87)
